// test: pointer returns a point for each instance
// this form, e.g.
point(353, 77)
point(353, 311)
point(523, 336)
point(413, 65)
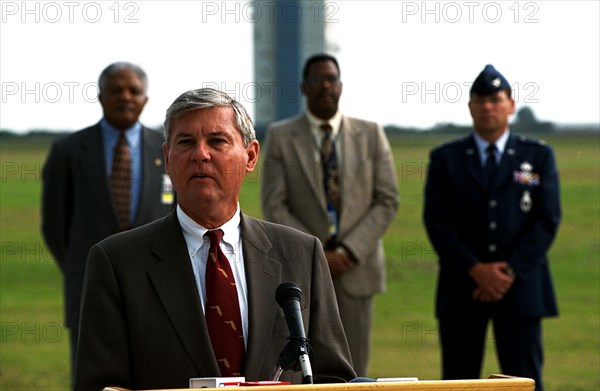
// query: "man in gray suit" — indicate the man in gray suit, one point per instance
point(146, 312)
point(78, 207)
point(345, 194)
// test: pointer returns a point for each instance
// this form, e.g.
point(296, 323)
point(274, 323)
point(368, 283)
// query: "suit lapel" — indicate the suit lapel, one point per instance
point(349, 146)
point(175, 286)
point(507, 163)
point(174, 282)
point(352, 142)
point(262, 277)
point(152, 168)
point(472, 161)
point(94, 171)
point(303, 145)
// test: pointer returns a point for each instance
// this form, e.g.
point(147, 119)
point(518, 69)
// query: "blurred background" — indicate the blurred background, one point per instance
point(403, 63)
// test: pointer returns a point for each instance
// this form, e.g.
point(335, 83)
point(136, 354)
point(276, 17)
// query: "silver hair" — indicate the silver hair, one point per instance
point(118, 67)
point(203, 98)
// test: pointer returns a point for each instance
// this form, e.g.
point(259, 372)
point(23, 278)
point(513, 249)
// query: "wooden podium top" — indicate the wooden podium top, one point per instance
point(496, 383)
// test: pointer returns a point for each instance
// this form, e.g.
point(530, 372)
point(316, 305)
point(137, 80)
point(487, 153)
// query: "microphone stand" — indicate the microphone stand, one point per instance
point(297, 350)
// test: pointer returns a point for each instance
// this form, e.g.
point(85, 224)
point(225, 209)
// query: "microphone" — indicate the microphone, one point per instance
point(288, 296)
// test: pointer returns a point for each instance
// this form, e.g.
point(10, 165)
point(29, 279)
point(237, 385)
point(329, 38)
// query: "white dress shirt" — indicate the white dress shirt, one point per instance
point(315, 127)
point(231, 245)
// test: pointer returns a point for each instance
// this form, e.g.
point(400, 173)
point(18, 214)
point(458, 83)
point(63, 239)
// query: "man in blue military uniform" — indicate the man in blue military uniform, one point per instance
point(492, 210)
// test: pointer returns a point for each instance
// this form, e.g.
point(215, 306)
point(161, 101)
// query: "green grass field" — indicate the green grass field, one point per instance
point(34, 344)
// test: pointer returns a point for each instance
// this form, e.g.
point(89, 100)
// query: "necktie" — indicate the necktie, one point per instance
point(490, 164)
point(330, 181)
point(223, 310)
point(120, 181)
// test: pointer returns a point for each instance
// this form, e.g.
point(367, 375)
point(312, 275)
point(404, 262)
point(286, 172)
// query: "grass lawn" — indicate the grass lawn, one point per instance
point(34, 344)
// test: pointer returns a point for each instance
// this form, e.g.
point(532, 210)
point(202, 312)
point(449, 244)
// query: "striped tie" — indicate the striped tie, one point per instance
point(120, 182)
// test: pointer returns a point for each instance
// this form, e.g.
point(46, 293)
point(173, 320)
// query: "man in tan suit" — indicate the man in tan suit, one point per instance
point(347, 204)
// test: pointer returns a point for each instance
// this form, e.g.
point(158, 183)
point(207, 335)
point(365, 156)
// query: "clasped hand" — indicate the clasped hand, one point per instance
point(493, 280)
point(339, 263)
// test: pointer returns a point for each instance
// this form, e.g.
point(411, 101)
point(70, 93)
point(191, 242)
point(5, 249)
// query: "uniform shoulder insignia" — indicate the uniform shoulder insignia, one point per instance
point(450, 143)
point(530, 141)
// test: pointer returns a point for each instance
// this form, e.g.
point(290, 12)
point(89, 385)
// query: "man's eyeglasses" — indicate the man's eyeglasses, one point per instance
point(321, 79)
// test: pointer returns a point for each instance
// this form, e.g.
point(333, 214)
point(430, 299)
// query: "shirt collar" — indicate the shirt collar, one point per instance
point(193, 232)
point(500, 144)
point(315, 122)
point(133, 134)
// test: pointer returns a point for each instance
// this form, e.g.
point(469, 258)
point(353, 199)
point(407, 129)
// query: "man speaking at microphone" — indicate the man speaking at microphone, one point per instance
point(193, 294)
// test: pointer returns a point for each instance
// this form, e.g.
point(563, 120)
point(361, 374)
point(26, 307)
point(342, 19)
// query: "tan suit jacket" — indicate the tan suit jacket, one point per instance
point(293, 194)
point(142, 324)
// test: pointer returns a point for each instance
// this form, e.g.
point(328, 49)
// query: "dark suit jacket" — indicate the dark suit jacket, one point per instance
point(292, 192)
point(77, 210)
point(516, 221)
point(142, 324)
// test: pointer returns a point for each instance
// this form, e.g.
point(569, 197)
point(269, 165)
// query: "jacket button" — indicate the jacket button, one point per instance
point(492, 248)
point(493, 225)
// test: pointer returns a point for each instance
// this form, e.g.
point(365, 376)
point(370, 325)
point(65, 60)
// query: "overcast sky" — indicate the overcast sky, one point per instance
point(407, 63)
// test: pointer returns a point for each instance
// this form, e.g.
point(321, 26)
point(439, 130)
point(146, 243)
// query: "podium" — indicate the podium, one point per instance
point(493, 383)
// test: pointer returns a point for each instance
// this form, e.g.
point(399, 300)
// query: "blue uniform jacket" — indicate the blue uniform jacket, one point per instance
point(514, 220)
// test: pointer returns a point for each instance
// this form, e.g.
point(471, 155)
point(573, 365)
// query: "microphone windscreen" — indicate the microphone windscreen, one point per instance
point(287, 290)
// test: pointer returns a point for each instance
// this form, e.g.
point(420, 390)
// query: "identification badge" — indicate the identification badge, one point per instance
point(332, 230)
point(167, 196)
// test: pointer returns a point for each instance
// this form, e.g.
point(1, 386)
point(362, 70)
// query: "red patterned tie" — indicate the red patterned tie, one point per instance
point(223, 310)
point(120, 181)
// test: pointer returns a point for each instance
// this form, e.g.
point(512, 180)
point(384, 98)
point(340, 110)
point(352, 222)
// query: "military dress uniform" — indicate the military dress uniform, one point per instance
point(513, 218)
